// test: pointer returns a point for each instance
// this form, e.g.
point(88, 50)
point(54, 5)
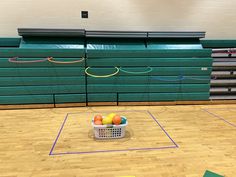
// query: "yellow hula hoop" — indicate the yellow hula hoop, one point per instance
point(103, 76)
point(51, 59)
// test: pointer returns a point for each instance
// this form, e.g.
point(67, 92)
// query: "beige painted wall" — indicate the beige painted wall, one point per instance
point(216, 17)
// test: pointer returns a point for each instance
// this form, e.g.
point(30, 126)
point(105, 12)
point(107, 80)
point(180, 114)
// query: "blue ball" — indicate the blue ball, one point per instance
point(123, 120)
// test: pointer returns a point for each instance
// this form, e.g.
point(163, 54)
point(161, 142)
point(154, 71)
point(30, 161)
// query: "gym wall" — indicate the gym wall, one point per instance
point(216, 17)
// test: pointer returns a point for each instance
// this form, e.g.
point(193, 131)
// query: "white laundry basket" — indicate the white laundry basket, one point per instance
point(109, 131)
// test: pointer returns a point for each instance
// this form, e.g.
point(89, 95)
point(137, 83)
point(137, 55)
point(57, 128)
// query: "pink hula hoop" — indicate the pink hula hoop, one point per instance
point(14, 60)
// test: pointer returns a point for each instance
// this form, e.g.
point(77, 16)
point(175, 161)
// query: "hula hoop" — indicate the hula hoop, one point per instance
point(51, 59)
point(137, 72)
point(199, 79)
point(103, 76)
point(181, 78)
point(14, 60)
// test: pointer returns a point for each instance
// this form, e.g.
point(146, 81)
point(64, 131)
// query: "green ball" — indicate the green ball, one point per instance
point(123, 120)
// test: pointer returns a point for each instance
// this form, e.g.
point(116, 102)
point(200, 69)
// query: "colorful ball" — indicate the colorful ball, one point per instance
point(116, 120)
point(98, 122)
point(110, 120)
point(106, 121)
point(111, 115)
point(98, 117)
point(123, 120)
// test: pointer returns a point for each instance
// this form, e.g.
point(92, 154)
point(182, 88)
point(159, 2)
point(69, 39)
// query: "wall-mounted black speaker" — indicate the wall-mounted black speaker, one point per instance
point(84, 14)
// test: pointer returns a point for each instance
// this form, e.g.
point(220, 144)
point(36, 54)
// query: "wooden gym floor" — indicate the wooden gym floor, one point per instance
point(161, 141)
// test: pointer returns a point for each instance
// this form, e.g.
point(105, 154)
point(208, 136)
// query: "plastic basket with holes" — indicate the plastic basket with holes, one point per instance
point(109, 131)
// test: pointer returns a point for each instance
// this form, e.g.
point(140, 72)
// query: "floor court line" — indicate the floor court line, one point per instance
point(58, 135)
point(121, 150)
point(219, 117)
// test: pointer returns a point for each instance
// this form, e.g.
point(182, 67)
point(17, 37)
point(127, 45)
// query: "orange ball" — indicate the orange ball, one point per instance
point(98, 122)
point(98, 117)
point(116, 120)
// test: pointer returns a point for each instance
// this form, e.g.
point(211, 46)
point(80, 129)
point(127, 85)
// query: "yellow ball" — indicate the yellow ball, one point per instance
point(111, 115)
point(106, 121)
